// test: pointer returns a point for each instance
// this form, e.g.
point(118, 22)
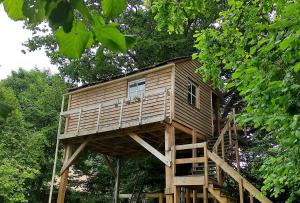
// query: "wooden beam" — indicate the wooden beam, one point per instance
point(190, 160)
point(70, 160)
point(190, 146)
point(182, 128)
point(188, 180)
point(109, 164)
point(151, 149)
point(64, 177)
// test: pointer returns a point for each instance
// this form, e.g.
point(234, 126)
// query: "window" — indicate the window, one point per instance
point(136, 88)
point(192, 94)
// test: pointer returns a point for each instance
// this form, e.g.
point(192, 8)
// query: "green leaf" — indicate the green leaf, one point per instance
point(130, 41)
point(62, 15)
point(5, 109)
point(112, 8)
point(34, 10)
point(285, 43)
point(81, 7)
point(72, 44)
point(110, 37)
point(297, 67)
point(98, 20)
point(13, 9)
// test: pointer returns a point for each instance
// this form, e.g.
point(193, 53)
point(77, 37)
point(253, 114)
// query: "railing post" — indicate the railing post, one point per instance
point(78, 122)
point(141, 109)
point(229, 134)
point(206, 165)
point(251, 198)
point(241, 190)
point(223, 147)
point(165, 103)
point(121, 113)
point(98, 119)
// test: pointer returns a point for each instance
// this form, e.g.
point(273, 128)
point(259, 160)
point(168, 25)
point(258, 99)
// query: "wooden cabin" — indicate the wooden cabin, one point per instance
point(165, 109)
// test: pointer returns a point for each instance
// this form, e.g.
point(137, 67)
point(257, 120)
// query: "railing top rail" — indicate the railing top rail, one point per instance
point(152, 93)
point(190, 146)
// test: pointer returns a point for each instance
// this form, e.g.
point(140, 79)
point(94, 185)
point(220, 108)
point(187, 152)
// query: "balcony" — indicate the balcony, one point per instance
point(116, 114)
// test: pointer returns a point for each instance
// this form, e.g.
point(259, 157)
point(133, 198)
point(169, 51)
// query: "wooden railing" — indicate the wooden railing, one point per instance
point(203, 159)
point(238, 178)
point(154, 106)
point(221, 164)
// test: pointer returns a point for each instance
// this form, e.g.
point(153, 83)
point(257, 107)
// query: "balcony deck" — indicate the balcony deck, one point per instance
point(117, 114)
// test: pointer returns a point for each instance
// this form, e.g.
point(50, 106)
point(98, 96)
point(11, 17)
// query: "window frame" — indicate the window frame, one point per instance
point(133, 82)
point(193, 95)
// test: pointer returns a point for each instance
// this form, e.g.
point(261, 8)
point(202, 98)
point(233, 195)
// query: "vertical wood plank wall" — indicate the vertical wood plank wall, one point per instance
point(196, 118)
point(157, 80)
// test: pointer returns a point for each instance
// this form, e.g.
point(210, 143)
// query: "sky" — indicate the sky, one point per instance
point(12, 35)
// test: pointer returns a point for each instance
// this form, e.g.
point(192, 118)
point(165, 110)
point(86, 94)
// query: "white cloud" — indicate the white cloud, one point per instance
point(12, 35)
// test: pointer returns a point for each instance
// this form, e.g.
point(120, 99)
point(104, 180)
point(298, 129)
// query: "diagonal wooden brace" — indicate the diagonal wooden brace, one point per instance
point(70, 161)
point(151, 149)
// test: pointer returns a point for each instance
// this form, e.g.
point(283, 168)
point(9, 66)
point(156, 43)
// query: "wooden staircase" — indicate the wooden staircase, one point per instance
point(215, 159)
point(220, 195)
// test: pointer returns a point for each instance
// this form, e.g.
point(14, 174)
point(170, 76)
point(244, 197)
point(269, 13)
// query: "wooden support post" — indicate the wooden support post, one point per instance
point(170, 170)
point(64, 177)
point(161, 198)
point(194, 196)
point(205, 194)
point(188, 195)
point(241, 191)
point(117, 182)
point(176, 195)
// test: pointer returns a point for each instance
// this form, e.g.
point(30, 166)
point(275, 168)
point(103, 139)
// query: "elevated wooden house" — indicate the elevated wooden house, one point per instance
point(166, 110)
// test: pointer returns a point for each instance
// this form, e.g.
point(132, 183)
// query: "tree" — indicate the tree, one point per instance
point(20, 152)
point(152, 46)
point(37, 99)
point(257, 42)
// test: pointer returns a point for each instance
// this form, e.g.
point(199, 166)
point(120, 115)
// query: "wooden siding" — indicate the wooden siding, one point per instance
point(196, 118)
point(111, 96)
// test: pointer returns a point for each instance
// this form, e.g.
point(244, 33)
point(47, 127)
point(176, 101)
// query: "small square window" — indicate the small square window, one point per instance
point(136, 88)
point(192, 95)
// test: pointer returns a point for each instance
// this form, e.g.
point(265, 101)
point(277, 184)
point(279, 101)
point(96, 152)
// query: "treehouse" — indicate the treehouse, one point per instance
point(165, 110)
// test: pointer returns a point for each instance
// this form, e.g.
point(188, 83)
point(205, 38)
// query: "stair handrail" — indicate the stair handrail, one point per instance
point(226, 127)
point(237, 177)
